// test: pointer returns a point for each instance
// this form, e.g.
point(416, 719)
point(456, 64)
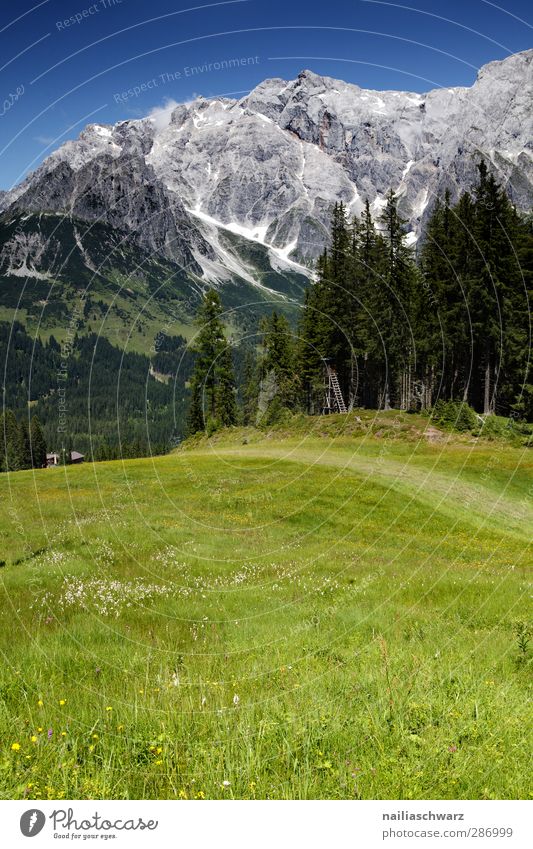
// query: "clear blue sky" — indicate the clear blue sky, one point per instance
point(69, 73)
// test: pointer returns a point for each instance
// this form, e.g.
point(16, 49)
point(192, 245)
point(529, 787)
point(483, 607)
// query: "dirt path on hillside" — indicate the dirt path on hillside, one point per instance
point(444, 492)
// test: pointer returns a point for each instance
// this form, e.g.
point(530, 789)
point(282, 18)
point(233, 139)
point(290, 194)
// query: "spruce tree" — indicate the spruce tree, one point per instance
point(207, 345)
point(400, 279)
point(279, 358)
point(458, 327)
point(37, 444)
point(327, 325)
point(372, 297)
point(23, 449)
point(312, 341)
point(195, 416)
point(442, 319)
point(250, 386)
point(13, 449)
point(519, 366)
point(212, 383)
point(226, 402)
point(498, 292)
point(340, 303)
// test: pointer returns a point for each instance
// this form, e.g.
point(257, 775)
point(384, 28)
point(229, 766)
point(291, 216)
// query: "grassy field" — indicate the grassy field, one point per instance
point(337, 609)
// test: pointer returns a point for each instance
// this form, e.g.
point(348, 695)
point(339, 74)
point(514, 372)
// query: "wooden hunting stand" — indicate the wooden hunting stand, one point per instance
point(334, 402)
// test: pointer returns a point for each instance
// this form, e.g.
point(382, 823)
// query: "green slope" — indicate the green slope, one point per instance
point(97, 278)
point(300, 614)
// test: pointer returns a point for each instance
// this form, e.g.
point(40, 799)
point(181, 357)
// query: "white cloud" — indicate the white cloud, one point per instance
point(160, 115)
point(45, 140)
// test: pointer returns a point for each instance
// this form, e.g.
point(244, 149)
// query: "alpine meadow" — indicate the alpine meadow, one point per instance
point(330, 609)
point(266, 443)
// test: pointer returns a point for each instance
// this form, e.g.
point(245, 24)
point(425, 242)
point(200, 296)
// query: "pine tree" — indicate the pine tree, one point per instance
point(279, 357)
point(498, 286)
point(212, 383)
point(370, 254)
point(329, 320)
point(312, 341)
point(23, 449)
point(519, 367)
point(442, 315)
point(476, 259)
point(208, 346)
point(195, 416)
point(340, 301)
point(226, 402)
point(37, 444)
point(12, 454)
point(250, 386)
point(4, 455)
point(400, 279)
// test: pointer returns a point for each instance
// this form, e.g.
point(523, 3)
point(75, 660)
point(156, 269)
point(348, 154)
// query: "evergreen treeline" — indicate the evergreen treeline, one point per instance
point(448, 325)
point(241, 385)
point(21, 447)
point(452, 323)
point(401, 331)
point(105, 403)
point(213, 393)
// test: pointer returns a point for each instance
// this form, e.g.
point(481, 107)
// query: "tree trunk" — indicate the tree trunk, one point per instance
point(486, 398)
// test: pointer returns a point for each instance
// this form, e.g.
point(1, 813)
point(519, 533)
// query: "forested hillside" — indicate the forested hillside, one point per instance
point(445, 329)
point(452, 323)
point(403, 329)
point(94, 397)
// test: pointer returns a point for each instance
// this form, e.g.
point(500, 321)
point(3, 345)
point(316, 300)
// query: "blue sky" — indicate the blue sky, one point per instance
point(66, 64)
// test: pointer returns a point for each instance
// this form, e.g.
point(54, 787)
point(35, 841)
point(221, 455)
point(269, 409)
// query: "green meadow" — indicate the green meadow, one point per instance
point(338, 608)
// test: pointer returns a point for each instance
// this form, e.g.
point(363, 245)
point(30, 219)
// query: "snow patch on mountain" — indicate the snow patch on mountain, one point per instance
point(279, 256)
point(269, 166)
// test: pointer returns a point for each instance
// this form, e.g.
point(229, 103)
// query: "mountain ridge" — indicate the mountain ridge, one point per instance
point(270, 166)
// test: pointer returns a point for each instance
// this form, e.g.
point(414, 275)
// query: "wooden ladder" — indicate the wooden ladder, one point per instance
point(334, 383)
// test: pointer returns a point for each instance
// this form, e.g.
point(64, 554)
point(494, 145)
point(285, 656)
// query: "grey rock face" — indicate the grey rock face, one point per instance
point(270, 166)
point(124, 192)
point(22, 256)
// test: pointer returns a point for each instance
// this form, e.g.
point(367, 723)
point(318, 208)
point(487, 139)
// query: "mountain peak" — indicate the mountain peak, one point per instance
point(521, 62)
point(270, 166)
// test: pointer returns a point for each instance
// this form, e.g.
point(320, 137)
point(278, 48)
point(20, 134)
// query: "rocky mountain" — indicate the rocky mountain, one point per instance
point(242, 190)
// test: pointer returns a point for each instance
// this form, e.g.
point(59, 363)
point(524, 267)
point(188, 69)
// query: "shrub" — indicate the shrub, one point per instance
point(456, 415)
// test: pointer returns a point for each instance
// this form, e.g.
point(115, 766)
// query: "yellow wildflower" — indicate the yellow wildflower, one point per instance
point(34, 739)
point(62, 702)
point(15, 747)
point(40, 703)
